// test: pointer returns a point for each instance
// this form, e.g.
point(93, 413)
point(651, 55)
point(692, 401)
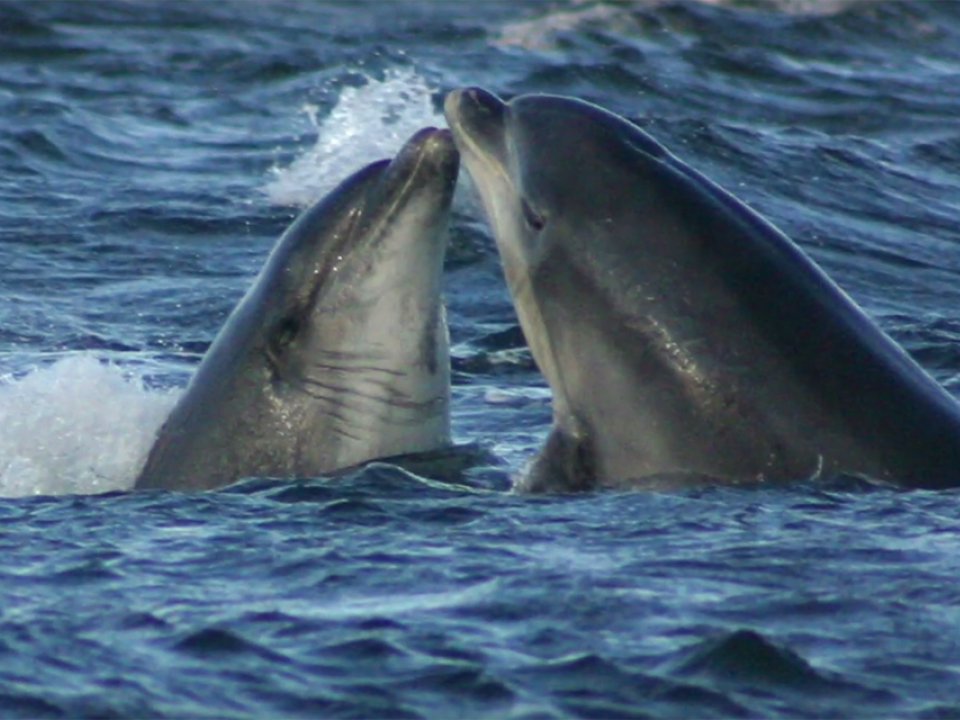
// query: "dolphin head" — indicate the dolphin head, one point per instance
point(684, 337)
point(359, 273)
point(564, 186)
point(352, 332)
point(338, 353)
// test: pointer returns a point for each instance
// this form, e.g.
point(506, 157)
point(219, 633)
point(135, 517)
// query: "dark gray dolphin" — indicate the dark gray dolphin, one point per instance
point(339, 351)
point(682, 335)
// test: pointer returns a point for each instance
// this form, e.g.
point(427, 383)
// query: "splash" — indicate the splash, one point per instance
point(78, 426)
point(368, 123)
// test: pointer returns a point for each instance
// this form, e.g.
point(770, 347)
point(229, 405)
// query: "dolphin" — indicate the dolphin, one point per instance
point(339, 351)
point(683, 336)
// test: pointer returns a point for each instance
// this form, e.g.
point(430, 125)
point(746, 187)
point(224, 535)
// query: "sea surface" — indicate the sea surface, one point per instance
point(150, 155)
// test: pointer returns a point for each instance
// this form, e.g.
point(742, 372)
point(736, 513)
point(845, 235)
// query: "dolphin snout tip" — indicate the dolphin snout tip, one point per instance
point(473, 105)
point(430, 140)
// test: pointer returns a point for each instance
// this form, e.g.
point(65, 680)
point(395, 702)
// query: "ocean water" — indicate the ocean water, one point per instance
point(150, 155)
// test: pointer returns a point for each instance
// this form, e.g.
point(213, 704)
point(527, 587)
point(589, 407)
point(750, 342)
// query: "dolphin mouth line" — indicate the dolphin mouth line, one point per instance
point(489, 163)
point(520, 286)
point(386, 214)
point(460, 130)
point(495, 168)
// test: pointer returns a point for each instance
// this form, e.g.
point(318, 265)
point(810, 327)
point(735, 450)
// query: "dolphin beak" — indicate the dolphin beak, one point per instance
point(430, 151)
point(475, 103)
point(478, 120)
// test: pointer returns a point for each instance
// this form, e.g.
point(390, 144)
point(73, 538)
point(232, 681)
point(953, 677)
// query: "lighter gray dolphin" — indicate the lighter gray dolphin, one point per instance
point(339, 352)
point(682, 335)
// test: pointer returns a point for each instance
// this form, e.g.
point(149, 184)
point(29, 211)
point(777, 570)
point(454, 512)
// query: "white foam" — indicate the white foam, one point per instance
point(78, 426)
point(368, 123)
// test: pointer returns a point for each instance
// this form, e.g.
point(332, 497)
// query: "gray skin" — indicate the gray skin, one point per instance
point(685, 339)
point(339, 352)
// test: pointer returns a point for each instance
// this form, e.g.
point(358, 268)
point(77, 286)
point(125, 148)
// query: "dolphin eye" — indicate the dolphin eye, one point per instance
point(281, 335)
point(286, 331)
point(535, 221)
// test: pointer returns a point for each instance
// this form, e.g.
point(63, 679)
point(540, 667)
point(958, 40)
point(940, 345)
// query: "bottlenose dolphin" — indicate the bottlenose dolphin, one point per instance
point(339, 351)
point(683, 335)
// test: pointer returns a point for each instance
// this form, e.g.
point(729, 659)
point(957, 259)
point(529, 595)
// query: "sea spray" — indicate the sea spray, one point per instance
point(77, 426)
point(368, 123)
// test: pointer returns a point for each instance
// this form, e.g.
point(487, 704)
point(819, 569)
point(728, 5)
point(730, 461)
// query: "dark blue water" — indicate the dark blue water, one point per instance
point(150, 155)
